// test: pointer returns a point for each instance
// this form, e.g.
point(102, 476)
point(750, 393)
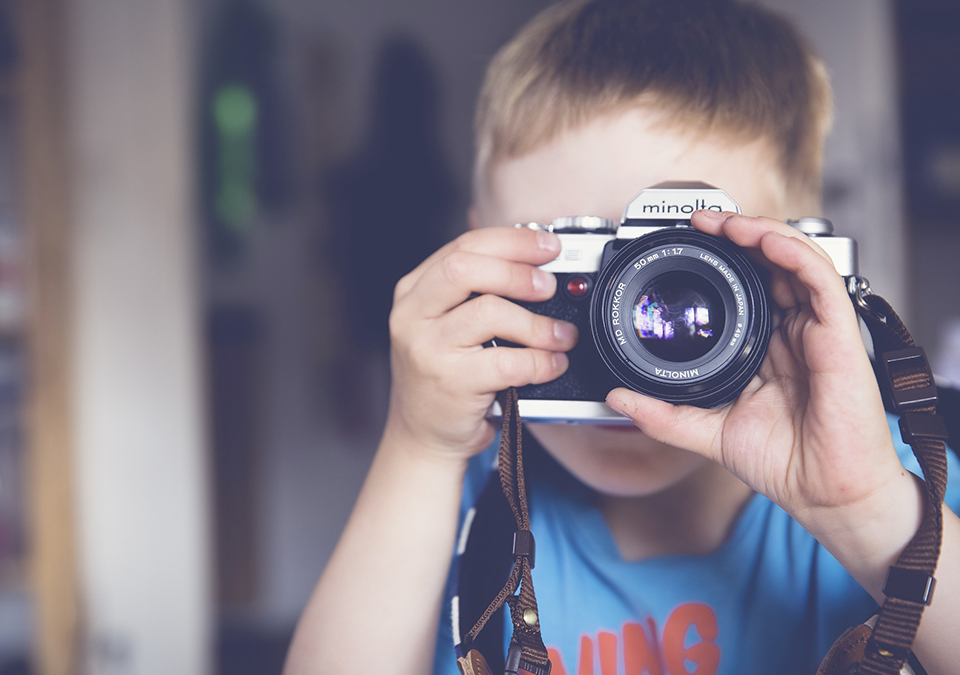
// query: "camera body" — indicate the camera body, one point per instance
point(662, 308)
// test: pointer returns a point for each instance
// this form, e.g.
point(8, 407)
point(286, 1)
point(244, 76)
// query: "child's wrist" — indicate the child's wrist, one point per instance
point(400, 441)
point(868, 537)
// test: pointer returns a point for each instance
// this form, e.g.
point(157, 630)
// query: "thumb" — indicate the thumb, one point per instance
point(682, 426)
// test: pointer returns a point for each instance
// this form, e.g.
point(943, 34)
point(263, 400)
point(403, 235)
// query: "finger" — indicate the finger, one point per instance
point(536, 247)
point(682, 426)
point(746, 231)
point(489, 316)
point(828, 296)
point(453, 278)
point(784, 291)
point(496, 368)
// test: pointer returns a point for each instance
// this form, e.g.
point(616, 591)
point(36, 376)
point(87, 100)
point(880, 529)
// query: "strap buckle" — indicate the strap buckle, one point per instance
point(524, 545)
point(910, 585)
point(914, 426)
point(899, 362)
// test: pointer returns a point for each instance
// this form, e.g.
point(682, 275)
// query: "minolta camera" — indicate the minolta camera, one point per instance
point(662, 308)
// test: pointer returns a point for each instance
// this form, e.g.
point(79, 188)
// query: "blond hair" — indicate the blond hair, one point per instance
point(710, 64)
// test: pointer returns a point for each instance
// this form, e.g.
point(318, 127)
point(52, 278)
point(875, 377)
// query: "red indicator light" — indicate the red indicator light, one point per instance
point(577, 287)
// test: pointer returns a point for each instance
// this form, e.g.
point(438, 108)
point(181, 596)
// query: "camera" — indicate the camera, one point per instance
point(662, 308)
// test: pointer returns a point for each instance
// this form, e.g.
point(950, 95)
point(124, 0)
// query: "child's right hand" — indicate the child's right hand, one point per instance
point(443, 379)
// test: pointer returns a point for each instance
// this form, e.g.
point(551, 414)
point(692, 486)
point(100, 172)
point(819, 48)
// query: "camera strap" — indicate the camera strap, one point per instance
point(526, 654)
point(907, 383)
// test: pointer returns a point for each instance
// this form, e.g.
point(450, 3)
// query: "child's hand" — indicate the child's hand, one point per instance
point(809, 431)
point(443, 379)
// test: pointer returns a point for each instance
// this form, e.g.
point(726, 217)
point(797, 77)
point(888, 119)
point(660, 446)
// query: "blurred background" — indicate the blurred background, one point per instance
point(203, 209)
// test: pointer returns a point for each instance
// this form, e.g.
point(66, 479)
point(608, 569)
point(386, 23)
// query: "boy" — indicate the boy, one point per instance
point(672, 552)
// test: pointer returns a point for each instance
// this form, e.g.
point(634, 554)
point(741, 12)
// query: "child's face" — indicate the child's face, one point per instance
point(595, 171)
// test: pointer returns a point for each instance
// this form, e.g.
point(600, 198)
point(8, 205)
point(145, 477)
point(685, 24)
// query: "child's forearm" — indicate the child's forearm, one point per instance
point(376, 606)
point(869, 541)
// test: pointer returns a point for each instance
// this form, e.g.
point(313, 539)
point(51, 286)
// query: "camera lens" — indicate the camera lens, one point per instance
point(680, 315)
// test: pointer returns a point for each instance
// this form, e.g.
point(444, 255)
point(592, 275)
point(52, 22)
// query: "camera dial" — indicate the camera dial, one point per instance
point(575, 224)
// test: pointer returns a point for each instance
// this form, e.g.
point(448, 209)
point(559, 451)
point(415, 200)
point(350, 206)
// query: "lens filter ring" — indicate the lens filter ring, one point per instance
point(682, 316)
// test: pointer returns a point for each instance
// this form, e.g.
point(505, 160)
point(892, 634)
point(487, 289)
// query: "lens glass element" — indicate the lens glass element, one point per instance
point(678, 316)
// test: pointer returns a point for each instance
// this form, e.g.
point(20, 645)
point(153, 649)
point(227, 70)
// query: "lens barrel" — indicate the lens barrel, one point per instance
point(682, 316)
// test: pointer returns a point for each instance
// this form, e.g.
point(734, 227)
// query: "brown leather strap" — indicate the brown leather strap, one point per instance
point(905, 373)
point(473, 664)
point(527, 651)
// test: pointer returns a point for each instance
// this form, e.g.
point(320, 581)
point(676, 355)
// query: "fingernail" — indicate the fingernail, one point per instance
point(548, 241)
point(564, 332)
point(711, 215)
point(541, 280)
point(560, 361)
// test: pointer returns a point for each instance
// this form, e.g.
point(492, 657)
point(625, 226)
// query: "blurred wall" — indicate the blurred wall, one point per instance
point(863, 168)
point(310, 468)
point(140, 433)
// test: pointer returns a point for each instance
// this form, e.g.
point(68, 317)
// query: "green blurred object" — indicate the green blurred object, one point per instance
point(244, 153)
point(235, 117)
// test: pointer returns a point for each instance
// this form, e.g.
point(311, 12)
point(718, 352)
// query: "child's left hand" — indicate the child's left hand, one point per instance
point(809, 431)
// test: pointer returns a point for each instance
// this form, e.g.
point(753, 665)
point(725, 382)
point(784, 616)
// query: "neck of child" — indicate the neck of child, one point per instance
point(694, 516)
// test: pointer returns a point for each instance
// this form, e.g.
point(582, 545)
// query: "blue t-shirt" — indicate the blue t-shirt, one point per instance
point(769, 600)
